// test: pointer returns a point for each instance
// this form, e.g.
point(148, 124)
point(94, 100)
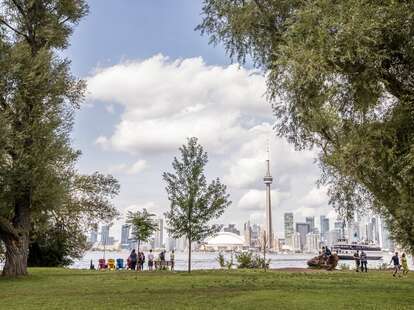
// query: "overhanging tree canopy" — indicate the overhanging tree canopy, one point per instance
point(340, 76)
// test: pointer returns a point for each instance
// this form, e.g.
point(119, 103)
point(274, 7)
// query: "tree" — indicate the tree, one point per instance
point(340, 77)
point(59, 237)
point(39, 184)
point(194, 203)
point(143, 225)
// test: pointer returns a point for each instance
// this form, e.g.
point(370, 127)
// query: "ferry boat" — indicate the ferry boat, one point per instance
point(346, 250)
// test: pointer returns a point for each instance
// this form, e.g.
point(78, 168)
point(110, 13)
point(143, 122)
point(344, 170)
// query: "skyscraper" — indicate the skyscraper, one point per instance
point(268, 179)
point(288, 225)
point(311, 221)
point(125, 234)
point(324, 223)
point(159, 234)
point(248, 234)
point(105, 234)
point(303, 229)
point(93, 237)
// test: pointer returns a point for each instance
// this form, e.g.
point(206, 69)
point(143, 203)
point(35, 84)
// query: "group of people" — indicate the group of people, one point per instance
point(136, 260)
point(361, 261)
point(395, 260)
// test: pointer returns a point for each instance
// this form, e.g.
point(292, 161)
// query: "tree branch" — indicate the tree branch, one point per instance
point(12, 28)
point(7, 229)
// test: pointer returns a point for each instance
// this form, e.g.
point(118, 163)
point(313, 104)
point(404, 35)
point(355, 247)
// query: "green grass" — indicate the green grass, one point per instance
point(78, 289)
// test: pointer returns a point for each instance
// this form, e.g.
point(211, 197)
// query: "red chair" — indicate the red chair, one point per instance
point(102, 264)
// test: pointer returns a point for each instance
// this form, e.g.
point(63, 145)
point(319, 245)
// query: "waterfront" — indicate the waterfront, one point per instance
point(208, 260)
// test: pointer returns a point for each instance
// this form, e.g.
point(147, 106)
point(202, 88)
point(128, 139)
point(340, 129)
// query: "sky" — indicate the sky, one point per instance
point(152, 82)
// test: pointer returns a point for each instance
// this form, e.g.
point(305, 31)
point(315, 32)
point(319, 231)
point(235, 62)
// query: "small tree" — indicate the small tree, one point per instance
point(143, 225)
point(194, 203)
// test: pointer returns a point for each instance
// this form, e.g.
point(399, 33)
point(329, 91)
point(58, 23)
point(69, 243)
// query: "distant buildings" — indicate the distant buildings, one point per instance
point(288, 225)
point(324, 225)
point(125, 240)
point(158, 241)
point(313, 242)
point(311, 221)
point(303, 229)
point(93, 237)
point(247, 230)
point(232, 228)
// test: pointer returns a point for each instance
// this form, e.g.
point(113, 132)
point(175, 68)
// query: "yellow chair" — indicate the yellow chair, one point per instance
point(111, 264)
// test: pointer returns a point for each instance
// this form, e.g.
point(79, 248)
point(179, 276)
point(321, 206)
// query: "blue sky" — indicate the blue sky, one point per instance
point(152, 81)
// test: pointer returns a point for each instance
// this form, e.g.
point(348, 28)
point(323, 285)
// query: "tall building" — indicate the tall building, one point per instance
point(312, 242)
point(324, 223)
point(159, 235)
point(288, 217)
point(268, 179)
point(247, 234)
point(125, 230)
point(105, 235)
point(311, 221)
point(303, 229)
point(93, 237)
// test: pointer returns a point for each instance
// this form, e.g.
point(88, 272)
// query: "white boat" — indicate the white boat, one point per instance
point(346, 250)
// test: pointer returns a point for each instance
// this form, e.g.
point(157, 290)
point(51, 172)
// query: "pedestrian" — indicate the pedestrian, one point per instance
point(139, 261)
point(172, 259)
point(150, 260)
point(133, 259)
point(404, 264)
point(364, 261)
point(396, 261)
point(142, 261)
point(357, 260)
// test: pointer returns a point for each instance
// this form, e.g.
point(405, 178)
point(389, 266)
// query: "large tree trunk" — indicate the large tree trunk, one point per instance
point(189, 254)
point(16, 256)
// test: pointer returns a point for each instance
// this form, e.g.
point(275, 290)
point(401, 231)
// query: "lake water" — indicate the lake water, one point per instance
point(208, 260)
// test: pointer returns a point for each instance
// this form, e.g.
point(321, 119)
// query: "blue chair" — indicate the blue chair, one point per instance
point(120, 263)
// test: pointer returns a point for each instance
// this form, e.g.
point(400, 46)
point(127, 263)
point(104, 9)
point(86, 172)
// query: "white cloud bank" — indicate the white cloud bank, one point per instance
point(166, 101)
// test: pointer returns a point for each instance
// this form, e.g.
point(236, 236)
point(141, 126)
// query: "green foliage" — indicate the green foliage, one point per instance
point(40, 188)
point(194, 203)
point(340, 79)
point(247, 260)
point(143, 225)
point(221, 260)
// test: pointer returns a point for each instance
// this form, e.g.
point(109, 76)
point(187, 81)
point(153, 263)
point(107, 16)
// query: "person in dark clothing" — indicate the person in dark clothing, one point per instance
point(328, 252)
point(357, 260)
point(396, 261)
point(133, 258)
point(142, 260)
point(364, 262)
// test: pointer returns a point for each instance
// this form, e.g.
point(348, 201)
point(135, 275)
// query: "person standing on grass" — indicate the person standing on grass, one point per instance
point(150, 260)
point(142, 261)
point(172, 259)
point(364, 262)
point(396, 261)
point(404, 264)
point(133, 259)
point(357, 260)
point(139, 261)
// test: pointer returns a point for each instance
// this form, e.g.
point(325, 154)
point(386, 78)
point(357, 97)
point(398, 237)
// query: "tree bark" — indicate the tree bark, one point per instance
point(189, 254)
point(17, 252)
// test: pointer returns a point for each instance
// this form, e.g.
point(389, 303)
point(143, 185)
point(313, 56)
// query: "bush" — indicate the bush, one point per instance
point(247, 260)
point(221, 260)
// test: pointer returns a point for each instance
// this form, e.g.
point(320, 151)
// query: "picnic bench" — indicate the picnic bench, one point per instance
point(165, 264)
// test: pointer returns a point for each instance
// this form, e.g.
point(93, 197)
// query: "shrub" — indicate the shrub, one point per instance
point(250, 261)
point(221, 261)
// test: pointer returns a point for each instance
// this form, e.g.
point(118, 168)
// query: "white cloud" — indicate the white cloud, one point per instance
point(135, 168)
point(166, 101)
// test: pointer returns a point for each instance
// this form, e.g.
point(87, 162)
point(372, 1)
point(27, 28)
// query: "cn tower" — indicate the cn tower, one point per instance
point(268, 179)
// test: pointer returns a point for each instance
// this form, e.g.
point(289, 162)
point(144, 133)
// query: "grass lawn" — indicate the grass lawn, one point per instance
point(80, 289)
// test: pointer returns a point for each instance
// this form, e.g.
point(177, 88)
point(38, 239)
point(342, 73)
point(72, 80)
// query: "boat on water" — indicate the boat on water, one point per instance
point(346, 250)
